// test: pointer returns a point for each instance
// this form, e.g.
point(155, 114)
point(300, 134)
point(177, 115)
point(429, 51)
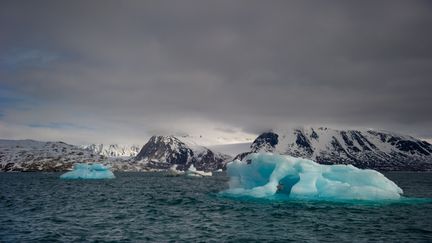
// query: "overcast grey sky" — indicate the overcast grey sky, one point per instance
point(120, 71)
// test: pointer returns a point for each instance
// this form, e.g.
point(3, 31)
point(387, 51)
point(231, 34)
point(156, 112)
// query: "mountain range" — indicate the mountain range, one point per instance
point(373, 149)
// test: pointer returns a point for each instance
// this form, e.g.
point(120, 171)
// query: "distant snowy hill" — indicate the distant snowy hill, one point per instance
point(30, 155)
point(161, 152)
point(113, 150)
point(363, 148)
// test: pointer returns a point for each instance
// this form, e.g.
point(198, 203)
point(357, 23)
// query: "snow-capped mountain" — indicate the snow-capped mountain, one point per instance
point(363, 148)
point(113, 150)
point(161, 152)
point(30, 155)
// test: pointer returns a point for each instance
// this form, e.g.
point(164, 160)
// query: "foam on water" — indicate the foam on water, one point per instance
point(89, 171)
point(267, 175)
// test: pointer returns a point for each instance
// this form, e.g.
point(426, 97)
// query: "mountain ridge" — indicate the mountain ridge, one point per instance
point(364, 148)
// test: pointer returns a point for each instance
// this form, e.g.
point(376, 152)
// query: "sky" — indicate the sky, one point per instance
point(122, 71)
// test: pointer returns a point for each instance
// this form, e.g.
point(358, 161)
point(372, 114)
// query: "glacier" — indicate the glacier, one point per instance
point(88, 171)
point(268, 175)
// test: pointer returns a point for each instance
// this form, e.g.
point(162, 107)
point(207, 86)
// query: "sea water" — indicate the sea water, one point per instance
point(152, 207)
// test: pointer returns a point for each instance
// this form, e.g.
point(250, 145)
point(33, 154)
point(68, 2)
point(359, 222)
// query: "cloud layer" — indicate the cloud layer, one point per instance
point(121, 71)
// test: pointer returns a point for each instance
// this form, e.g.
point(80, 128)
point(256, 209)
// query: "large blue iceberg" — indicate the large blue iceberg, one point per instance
point(267, 175)
point(88, 171)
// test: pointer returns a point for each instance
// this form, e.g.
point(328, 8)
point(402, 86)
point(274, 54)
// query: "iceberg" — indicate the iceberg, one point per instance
point(192, 171)
point(267, 175)
point(88, 171)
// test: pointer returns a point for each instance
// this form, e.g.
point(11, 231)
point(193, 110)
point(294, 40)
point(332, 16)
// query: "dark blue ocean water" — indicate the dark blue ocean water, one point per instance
point(151, 207)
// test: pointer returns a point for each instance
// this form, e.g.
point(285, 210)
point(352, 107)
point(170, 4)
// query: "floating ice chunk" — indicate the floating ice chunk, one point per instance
point(172, 171)
point(265, 175)
point(193, 172)
point(88, 171)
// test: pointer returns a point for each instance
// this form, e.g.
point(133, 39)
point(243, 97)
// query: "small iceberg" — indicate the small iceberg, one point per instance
point(267, 175)
point(88, 171)
point(173, 172)
point(193, 172)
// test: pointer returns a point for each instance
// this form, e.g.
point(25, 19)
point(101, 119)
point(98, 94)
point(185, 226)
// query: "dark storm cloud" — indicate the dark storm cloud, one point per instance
point(249, 65)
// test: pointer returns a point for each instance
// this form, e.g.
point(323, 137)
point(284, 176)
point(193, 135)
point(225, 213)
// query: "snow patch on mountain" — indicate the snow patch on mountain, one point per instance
point(113, 150)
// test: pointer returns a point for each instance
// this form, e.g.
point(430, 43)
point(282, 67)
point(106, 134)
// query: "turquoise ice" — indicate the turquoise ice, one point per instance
point(266, 175)
point(88, 171)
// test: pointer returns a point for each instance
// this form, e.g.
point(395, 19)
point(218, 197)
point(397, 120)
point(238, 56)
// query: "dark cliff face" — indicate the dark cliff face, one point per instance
point(413, 147)
point(161, 152)
point(364, 149)
point(268, 140)
point(303, 142)
point(265, 142)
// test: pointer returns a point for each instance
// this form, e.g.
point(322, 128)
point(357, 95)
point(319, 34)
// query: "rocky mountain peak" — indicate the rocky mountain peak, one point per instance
point(161, 152)
point(266, 141)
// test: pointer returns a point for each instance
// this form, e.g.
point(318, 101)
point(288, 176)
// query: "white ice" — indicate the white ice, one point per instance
point(89, 171)
point(265, 175)
point(172, 171)
point(192, 171)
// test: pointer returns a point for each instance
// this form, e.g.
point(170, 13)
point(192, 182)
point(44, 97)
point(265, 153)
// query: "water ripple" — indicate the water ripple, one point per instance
point(150, 207)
